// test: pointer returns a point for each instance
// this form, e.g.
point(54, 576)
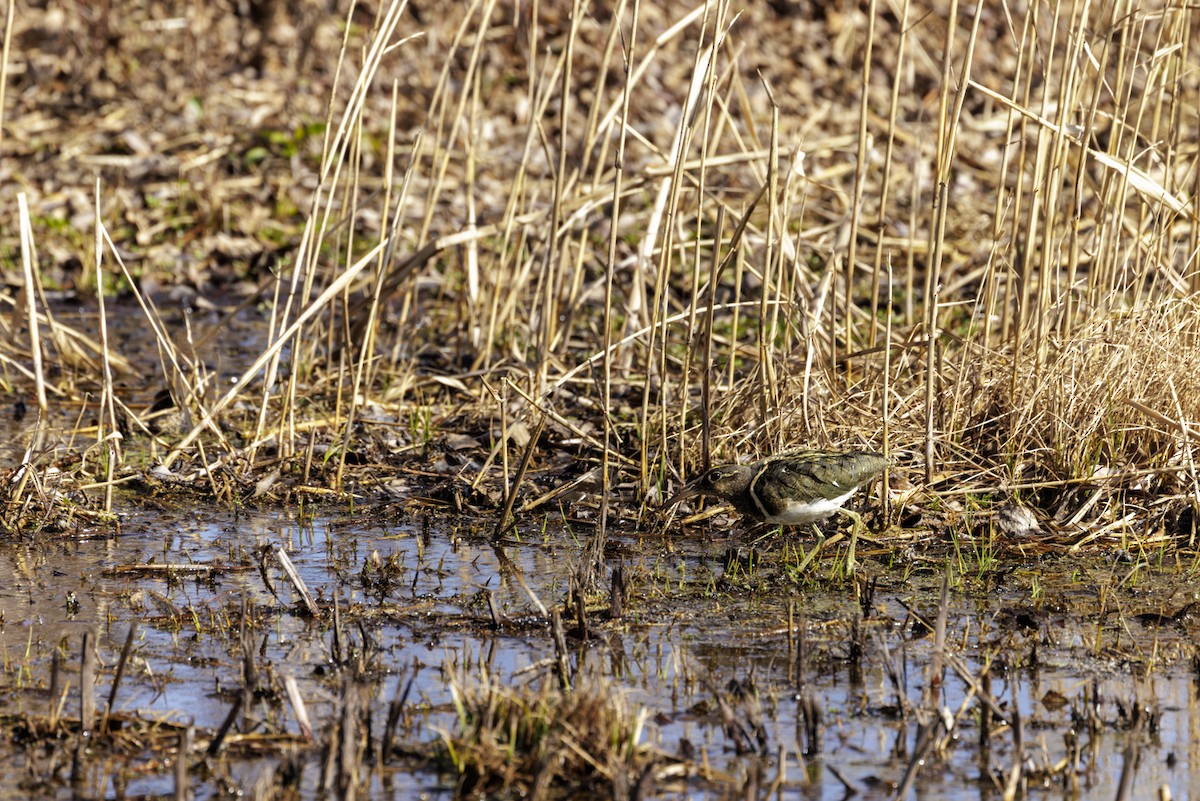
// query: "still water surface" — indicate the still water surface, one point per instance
point(684, 638)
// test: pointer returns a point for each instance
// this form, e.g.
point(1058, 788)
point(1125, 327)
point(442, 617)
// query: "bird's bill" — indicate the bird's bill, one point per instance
point(689, 491)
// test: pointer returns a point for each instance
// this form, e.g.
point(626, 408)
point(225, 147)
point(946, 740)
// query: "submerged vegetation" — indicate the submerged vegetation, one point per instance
point(521, 270)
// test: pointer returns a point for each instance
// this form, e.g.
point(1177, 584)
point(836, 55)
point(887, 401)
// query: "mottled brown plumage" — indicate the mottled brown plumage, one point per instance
point(789, 488)
point(792, 488)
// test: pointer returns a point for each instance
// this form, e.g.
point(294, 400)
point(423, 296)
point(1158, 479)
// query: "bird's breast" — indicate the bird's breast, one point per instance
point(798, 512)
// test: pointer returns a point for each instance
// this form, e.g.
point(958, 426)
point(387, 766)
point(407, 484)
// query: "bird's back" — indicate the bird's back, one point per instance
point(810, 485)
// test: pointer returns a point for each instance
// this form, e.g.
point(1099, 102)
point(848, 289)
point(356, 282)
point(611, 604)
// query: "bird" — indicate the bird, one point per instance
point(793, 488)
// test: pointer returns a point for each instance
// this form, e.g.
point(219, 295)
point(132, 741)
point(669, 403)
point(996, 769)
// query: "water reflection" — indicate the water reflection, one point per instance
point(434, 618)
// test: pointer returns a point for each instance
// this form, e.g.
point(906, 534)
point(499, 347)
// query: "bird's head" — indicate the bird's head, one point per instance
point(724, 481)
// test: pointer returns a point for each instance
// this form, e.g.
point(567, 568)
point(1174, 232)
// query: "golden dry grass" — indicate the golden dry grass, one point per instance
point(667, 232)
point(523, 741)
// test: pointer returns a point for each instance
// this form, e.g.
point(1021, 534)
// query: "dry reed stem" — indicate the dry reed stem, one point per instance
point(296, 699)
point(30, 296)
point(108, 442)
point(9, 15)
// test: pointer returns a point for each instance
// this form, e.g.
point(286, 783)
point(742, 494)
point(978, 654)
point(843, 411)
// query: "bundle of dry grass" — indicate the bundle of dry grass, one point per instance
point(546, 742)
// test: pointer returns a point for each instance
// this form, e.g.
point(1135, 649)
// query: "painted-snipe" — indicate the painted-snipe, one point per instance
point(793, 488)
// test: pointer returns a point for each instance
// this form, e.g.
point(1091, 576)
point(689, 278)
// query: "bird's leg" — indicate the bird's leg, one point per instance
point(813, 551)
point(857, 524)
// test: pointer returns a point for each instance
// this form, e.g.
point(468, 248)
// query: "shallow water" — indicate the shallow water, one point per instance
point(681, 643)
